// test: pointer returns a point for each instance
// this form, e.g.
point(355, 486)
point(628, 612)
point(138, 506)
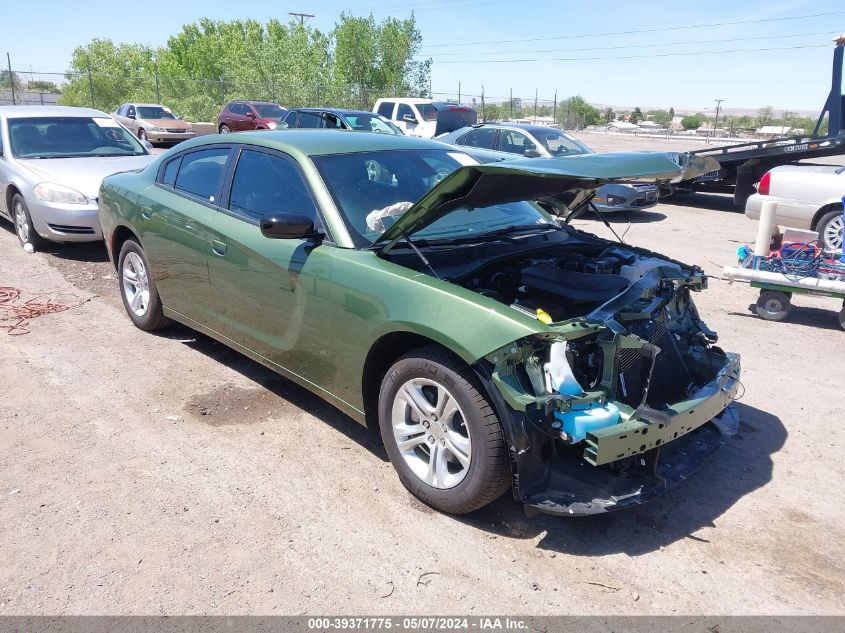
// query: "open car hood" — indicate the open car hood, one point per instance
point(565, 183)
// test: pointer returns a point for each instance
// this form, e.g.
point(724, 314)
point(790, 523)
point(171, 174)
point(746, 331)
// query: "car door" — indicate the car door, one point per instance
point(481, 143)
point(515, 142)
point(409, 127)
point(239, 120)
point(272, 296)
point(173, 227)
point(5, 170)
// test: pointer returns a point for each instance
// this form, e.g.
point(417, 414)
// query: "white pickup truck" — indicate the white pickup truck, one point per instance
point(808, 197)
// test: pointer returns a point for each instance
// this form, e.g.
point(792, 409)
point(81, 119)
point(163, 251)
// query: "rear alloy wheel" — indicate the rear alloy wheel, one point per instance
point(830, 231)
point(224, 129)
point(773, 305)
point(441, 433)
point(24, 228)
point(138, 289)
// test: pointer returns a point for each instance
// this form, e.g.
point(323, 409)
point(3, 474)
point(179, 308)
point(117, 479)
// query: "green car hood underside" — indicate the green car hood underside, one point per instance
point(485, 185)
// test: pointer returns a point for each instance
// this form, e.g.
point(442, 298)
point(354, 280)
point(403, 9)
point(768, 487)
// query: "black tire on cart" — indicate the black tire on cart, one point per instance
point(773, 305)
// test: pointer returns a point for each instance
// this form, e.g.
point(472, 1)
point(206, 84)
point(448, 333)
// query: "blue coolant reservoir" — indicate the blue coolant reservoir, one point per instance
point(576, 424)
point(583, 418)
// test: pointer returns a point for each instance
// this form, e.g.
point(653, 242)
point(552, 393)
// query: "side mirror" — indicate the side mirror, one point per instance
point(409, 118)
point(250, 115)
point(288, 226)
point(130, 115)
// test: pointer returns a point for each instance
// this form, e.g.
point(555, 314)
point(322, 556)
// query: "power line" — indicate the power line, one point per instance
point(627, 46)
point(651, 30)
point(583, 59)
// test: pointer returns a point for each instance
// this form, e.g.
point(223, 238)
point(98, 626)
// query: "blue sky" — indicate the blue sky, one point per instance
point(467, 37)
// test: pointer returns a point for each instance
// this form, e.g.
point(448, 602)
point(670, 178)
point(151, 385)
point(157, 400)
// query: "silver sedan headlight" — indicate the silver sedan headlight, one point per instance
point(52, 192)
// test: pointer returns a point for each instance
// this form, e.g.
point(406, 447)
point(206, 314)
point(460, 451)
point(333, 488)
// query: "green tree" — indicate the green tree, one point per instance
point(693, 121)
point(609, 115)
point(764, 116)
point(671, 113)
point(636, 115)
point(576, 113)
point(661, 117)
point(43, 86)
point(8, 80)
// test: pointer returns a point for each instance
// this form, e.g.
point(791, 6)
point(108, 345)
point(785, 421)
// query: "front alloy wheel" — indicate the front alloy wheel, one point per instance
point(24, 228)
point(441, 432)
point(431, 434)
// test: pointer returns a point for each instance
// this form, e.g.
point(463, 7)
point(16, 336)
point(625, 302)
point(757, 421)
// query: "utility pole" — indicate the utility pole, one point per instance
point(716, 120)
point(11, 76)
point(536, 91)
point(302, 17)
point(459, 92)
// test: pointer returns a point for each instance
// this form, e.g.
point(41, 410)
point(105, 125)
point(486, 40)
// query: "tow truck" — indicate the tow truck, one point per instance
point(742, 165)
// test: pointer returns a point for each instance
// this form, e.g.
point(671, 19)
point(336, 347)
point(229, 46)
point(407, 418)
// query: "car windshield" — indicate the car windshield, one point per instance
point(71, 137)
point(154, 112)
point(371, 123)
point(269, 110)
point(559, 144)
point(427, 111)
point(372, 189)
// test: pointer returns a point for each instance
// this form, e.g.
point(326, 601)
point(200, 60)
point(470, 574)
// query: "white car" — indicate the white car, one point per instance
point(808, 197)
point(424, 117)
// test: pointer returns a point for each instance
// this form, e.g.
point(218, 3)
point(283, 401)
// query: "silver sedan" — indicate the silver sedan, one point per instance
point(489, 142)
point(52, 161)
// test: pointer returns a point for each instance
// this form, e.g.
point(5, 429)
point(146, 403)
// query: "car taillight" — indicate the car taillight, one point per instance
point(763, 185)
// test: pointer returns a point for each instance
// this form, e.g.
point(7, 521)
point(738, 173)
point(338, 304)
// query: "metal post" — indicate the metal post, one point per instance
point(273, 90)
point(716, 120)
point(483, 118)
point(554, 111)
point(536, 90)
point(158, 88)
point(459, 92)
point(90, 82)
point(11, 77)
point(511, 103)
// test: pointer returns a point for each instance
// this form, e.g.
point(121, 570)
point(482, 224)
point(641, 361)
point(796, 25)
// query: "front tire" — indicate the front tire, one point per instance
point(441, 432)
point(24, 228)
point(138, 289)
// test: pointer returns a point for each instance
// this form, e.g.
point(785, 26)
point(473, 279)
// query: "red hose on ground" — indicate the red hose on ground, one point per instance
point(15, 314)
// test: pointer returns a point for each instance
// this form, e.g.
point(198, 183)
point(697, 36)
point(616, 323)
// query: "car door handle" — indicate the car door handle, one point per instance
point(146, 212)
point(218, 247)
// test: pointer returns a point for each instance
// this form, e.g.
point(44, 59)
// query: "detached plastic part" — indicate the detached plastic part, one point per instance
point(582, 419)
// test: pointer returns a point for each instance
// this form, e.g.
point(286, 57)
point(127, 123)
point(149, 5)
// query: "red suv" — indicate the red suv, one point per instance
point(249, 115)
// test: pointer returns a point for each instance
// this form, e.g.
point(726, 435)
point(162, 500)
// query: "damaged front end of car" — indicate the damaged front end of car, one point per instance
point(614, 408)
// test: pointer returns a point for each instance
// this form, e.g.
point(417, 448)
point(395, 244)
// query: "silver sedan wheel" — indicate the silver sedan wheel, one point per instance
point(431, 434)
point(21, 222)
point(833, 234)
point(136, 284)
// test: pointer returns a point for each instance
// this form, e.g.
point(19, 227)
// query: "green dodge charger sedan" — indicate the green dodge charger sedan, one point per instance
point(445, 303)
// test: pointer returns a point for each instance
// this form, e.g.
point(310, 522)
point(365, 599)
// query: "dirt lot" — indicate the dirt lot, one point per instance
point(167, 474)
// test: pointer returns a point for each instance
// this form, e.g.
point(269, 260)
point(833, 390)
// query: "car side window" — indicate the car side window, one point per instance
point(482, 138)
point(201, 171)
point(404, 109)
point(291, 119)
point(310, 120)
point(168, 176)
point(386, 109)
point(238, 108)
point(265, 184)
point(514, 142)
point(332, 121)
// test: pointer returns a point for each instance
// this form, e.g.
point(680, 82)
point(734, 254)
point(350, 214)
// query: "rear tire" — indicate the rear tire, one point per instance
point(441, 432)
point(224, 129)
point(773, 305)
point(138, 289)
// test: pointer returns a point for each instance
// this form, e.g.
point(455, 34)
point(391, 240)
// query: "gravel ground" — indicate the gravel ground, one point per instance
point(144, 474)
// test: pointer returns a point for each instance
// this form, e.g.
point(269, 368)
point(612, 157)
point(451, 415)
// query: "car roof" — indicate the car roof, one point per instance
point(342, 111)
point(407, 99)
point(146, 105)
point(528, 127)
point(24, 112)
point(311, 142)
